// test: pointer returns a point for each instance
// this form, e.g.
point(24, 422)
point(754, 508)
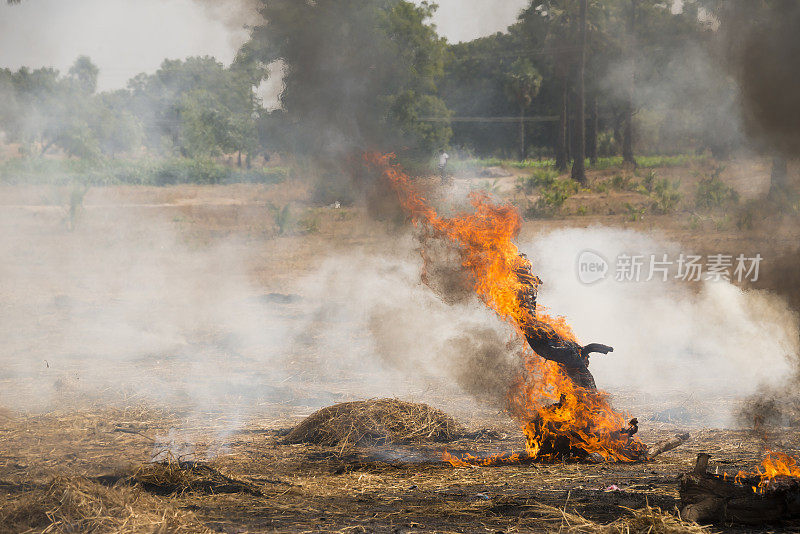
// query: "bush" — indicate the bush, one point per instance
point(713, 193)
point(623, 182)
point(540, 178)
point(553, 194)
point(665, 195)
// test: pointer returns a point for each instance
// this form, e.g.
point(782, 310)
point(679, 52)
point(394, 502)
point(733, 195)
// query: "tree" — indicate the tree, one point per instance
point(44, 109)
point(523, 82)
point(197, 107)
point(761, 49)
point(358, 73)
point(83, 74)
point(578, 167)
point(627, 133)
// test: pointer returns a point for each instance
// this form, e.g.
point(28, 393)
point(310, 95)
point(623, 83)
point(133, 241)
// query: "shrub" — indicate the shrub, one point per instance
point(623, 182)
point(283, 219)
point(665, 195)
point(553, 194)
point(713, 193)
point(540, 178)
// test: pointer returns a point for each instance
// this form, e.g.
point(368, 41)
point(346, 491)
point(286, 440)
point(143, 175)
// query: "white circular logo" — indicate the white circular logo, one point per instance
point(592, 267)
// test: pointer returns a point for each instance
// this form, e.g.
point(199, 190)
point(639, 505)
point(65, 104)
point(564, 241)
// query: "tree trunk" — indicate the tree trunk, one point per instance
point(561, 138)
point(522, 133)
point(239, 160)
point(779, 178)
point(570, 129)
point(579, 166)
point(627, 135)
point(592, 132)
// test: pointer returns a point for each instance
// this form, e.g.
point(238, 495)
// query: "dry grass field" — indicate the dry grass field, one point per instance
point(146, 386)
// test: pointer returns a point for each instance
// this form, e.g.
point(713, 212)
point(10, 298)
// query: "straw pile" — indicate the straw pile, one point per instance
point(178, 477)
point(81, 505)
point(375, 422)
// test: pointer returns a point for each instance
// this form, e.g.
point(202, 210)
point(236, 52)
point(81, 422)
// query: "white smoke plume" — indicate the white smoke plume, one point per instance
point(706, 340)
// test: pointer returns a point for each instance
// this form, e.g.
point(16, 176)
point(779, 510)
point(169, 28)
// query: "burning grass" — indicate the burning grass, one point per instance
point(80, 505)
point(560, 417)
point(375, 422)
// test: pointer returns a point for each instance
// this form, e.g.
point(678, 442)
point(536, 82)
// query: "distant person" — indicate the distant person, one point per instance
point(443, 157)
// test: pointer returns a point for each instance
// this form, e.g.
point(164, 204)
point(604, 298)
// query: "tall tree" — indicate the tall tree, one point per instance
point(627, 132)
point(523, 83)
point(360, 74)
point(578, 166)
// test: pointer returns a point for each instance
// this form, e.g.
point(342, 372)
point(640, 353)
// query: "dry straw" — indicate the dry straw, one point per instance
point(81, 505)
point(375, 422)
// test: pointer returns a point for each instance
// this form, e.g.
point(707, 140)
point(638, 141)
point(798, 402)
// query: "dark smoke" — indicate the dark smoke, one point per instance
point(763, 44)
point(484, 365)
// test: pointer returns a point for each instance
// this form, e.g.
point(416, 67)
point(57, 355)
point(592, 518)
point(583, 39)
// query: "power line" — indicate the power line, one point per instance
point(541, 118)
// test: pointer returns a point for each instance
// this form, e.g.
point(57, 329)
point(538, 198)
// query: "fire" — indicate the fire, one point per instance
point(557, 415)
point(775, 465)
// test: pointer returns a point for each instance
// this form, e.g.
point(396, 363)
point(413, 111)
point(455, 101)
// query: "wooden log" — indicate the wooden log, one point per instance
point(704, 511)
point(709, 498)
point(667, 445)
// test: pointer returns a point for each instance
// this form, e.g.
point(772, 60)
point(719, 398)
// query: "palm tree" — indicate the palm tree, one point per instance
point(523, 82)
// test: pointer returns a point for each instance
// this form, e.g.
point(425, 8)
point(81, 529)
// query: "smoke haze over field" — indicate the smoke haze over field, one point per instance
point(123, 309)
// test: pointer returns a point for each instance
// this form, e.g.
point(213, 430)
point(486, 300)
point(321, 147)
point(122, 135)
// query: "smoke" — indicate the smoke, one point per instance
point(704, 341)
point(685, 99)
point(127, 310)
point(762, 43)
point(235, 14)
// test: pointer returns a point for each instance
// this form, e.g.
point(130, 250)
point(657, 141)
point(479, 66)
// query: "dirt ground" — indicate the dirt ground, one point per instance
point(61, 433)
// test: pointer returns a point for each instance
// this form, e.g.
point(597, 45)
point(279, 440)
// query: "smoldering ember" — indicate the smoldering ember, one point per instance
point(397, 266)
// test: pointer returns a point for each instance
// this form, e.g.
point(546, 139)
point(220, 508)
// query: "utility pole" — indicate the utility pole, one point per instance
point(579, 163)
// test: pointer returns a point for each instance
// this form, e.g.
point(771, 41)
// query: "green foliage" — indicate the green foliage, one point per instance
point(283, 219)
point(634, 213)
point(540, 178)
point(665, 196)
point(356, 70)
point(523, 82)
point(553, 192)
point(713, 193)
point(409, 108)
point(623, 182)
point(111, 172)
point(492, 187)
point(75, 207)
point(649, 181)
point(197, 107)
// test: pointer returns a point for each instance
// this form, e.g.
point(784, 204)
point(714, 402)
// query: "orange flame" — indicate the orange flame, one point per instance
point(776, 464)
point(582, 419)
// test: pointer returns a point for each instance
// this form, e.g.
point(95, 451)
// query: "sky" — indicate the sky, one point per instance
point(126, 37)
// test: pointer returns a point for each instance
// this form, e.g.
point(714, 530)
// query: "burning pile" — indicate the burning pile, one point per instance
point(564, 417)
point(770, 494)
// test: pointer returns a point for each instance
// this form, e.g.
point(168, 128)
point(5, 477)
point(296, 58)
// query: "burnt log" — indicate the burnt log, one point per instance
point(549, 344)
point(667, 445)
point(710, 498)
